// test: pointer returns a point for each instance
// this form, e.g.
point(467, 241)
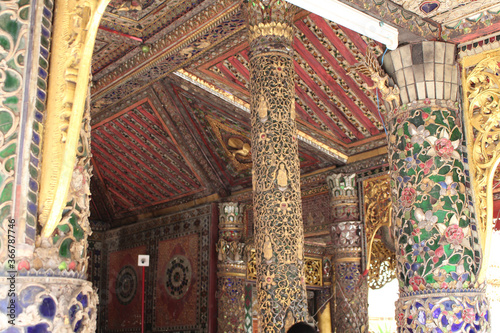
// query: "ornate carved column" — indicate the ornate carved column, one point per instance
point(351, 289)
point(279, 234)
point(231, 269)
point(437, 245)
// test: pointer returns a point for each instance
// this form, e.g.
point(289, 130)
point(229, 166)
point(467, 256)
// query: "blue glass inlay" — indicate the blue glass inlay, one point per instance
point(78, 325)
point(12, 329)
point(47, 13)
point(42, 73)
point(27, 295)
point(72, 312)
point(48, 308)
point(486, 315)
point(39, 116)
point(33, 185)
point(40, 328)
point(34, 161)
point(44, 52)
point(448, 305)
point(32, 208)
point(444, 321)
point(36, 138)
point(30, 232)
point(459, 314)
point(40, 94)
point(457, 327)
point(436, 313)
point(45, 32)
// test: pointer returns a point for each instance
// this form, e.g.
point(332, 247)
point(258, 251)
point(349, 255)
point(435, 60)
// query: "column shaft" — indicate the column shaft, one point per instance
point(437, 243)
point(277, 198)
point(350, 313)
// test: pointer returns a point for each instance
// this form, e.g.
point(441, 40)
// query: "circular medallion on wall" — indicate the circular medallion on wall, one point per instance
point(126, 284)
point(178, 276)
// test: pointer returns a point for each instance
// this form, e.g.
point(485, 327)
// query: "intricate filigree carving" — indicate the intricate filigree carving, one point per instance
point(371, 67)
point(75, 28)
point(381, 261)
point(279, 234)
point(314, 272)
point(482, 114)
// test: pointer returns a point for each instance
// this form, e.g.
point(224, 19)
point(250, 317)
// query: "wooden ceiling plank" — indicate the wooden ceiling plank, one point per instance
point(142, 157)
point(338, 69)
point(141, 162)
point(127, 178)
point(335, 87)
point(321, 114)
point(326, 99)
point(154, 181)
point(122, 198)
point(158, 135)
point(339, 45)
point(162, 159)
point(355, 38)
point(100, 180)
point(148, 148)
point(229, 75)
point(123, 186)
point(239, 66)
point(162, 168)
point(305, 116)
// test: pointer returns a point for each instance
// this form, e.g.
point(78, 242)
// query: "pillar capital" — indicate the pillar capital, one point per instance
point(344, 196)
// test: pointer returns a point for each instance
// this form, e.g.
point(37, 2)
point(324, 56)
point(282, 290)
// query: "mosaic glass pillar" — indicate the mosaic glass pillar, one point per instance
point(231, 269)
point(350, 313)
point(437, 245)
point(279, 235)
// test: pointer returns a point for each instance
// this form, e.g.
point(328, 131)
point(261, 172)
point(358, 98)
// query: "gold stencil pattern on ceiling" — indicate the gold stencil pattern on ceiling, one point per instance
point(381, 260)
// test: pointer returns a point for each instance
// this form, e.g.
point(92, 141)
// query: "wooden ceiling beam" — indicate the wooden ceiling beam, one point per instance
point(239, 66)
point(163, 159)
point(338, 69)
point(154, 181)
point(150, 159)
point(127, 178)
point(321, 114)
point(334, 86)
point(326, 100)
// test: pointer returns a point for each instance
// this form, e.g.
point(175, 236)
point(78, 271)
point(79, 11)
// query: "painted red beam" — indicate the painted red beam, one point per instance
point(139, 155)
point(128, 179)
point(170, 165)
point(140, 161)
point(305, 116)
point(338, 69)
point(162, 168)
point(123, 186)
point(156, 155)
point(158, 135)
point(153, 181)
point(326, 100)
point(335, 87)
point(120, 33)
point(321, 114)
point(339, 45)
point(229, 75)
point(239, 66)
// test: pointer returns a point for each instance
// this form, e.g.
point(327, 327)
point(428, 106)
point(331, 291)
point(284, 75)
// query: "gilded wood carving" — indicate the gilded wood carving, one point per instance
point(481, 84)
point(75, 28)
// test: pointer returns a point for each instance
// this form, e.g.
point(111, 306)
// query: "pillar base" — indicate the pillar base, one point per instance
point(443, 310)
point(52, 304)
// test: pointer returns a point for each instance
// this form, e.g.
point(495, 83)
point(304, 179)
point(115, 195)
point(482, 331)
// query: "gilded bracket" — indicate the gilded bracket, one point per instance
point(75, 29)
point(378, 210)
point(481, 82)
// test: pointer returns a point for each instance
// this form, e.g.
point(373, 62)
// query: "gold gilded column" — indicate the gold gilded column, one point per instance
point(279, 235)
point(231, 269)
point(350, 313)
